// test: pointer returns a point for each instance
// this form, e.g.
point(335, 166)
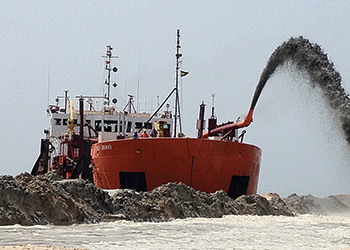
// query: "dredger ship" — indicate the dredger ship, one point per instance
point(129, 150)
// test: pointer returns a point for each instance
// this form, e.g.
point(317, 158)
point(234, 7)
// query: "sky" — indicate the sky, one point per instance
point(47, 47)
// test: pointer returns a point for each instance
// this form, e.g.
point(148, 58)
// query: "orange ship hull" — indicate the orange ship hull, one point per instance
point(206, 165)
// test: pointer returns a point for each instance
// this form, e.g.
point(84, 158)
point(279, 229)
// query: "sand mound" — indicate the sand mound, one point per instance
point(30, 200)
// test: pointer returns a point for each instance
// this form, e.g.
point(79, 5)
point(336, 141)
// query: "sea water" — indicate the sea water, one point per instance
point(229, 232)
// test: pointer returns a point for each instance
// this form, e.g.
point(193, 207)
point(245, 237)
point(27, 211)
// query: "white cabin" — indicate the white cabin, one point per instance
point(108, 124)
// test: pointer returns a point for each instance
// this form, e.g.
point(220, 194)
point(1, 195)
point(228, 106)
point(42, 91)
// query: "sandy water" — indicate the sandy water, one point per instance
point(230, 232)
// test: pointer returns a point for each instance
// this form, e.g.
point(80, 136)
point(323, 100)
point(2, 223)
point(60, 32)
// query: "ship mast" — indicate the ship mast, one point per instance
point(178, 55)
point(108, 68)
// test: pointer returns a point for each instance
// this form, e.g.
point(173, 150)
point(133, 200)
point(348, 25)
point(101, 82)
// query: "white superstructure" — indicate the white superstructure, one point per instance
point(108, 124)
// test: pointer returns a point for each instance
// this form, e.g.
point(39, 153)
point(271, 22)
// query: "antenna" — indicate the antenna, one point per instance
point(48, 87)
point(138, 87)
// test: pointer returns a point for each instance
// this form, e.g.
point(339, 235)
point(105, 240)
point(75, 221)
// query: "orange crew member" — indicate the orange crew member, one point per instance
point(144, 134)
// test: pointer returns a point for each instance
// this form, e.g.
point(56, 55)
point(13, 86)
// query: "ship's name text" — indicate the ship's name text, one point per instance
point(103, 147)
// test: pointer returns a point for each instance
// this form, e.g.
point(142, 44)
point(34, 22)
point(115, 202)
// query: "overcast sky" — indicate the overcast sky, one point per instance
point(225, 47)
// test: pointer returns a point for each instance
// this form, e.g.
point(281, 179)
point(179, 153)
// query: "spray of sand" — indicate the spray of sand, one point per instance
point(310, 57)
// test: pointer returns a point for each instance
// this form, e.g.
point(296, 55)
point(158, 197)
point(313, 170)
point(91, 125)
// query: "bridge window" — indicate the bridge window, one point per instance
point(98, 125)
point(128, 128)
point(138, 125)
point(110, 126)
point(57, 121)
point(148, 125)
point(65, 122)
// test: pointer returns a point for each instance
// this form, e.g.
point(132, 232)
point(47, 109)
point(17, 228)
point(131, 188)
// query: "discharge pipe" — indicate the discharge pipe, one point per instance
point(240, 124)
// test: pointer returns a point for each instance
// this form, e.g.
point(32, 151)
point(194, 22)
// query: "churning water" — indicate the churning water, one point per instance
point(230, 232)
